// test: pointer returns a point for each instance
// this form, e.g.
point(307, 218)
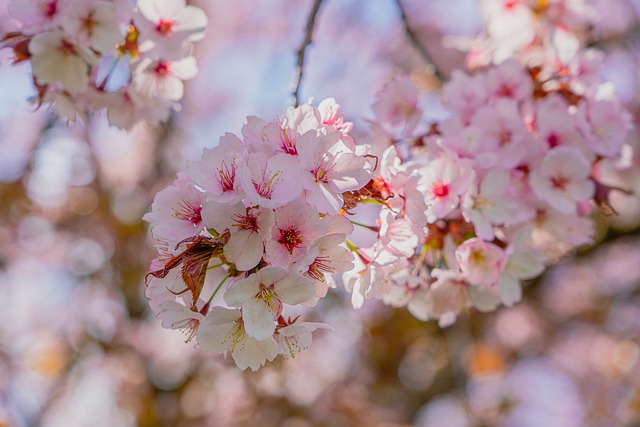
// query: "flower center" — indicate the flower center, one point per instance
point(290, 238)
point(440, 190)
point(165, 26)
point(226, 176)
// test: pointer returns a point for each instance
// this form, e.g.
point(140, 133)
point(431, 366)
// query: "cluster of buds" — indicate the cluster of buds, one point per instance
point(89, 55)
point(263, 213)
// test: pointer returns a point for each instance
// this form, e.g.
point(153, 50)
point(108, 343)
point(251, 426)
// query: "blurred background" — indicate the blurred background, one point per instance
point(79, 346)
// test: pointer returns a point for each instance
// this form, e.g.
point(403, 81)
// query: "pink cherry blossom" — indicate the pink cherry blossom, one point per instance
point(166, 27)
point(38, 15)
point(333, 168)
point(95, 25)
point(442, 182)
point(218, 169)
point(176, 212)
point(297, 225)
point(481, 263)
point(271, 181)
point(248, 228)
point(562, 180)
point(164, 78)
point(262, 295)
point(396, 107)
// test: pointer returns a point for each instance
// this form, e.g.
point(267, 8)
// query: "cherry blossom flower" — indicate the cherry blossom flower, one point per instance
point(56, 59)
point(442, 182)
point(166, 27)
point(296, 226)
point(218, 169)
point(262, 295)
point(562, 180)
point(334, 169)
point(248, 228)
point(223, 329)
point(396, 107)
point(176, 212)
point(164, 78)
point(481, 263)
point(271, 181)
point(38, 15)
point(95, 25)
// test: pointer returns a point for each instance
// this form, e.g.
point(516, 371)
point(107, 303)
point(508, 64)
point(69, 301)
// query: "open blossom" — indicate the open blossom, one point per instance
point(562, 180)
point(481, 263)
point(223, 330)
point(56, 59)
point(396, 107)
point(442, 183)
point(218, 169)
point(248, 227)
point(334, 169)
point(94, 24)
point(177, 211)
point(38, 15)
point(166, 26)
point(262, 295)
point(164, 78)
point(296, 226)
point(271, 181)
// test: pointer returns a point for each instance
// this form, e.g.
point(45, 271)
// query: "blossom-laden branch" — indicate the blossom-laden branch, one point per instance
point(300, 55)
point(422, 50)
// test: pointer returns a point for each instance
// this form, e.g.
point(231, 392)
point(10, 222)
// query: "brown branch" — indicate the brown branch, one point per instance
point(297, 76)
point(422, 50)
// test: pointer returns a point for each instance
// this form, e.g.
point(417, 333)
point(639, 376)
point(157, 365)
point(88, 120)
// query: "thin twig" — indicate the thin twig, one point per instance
point(413, 38)
point(297, 76)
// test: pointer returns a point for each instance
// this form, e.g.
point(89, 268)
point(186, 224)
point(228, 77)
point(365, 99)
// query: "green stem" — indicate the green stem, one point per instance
point(218, 288)
point(216, 266)
point(369, 227)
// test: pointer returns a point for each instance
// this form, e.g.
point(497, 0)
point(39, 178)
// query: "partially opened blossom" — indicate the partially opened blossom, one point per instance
point(262, 295)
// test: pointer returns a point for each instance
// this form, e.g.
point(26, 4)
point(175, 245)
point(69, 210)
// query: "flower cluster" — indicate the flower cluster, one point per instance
point(89, 55)
point(263, 210)
point(486, 198)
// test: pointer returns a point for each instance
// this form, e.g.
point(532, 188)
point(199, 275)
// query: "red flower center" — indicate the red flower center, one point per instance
point(165, 26)
point(440, 190)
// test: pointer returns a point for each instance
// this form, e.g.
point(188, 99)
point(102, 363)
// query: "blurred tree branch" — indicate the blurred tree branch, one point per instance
point(300, 55)
point(422, 50)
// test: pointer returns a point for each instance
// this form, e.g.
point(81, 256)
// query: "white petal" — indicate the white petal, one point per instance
point(258, 319)
point(294, 289)
point(242, 291)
